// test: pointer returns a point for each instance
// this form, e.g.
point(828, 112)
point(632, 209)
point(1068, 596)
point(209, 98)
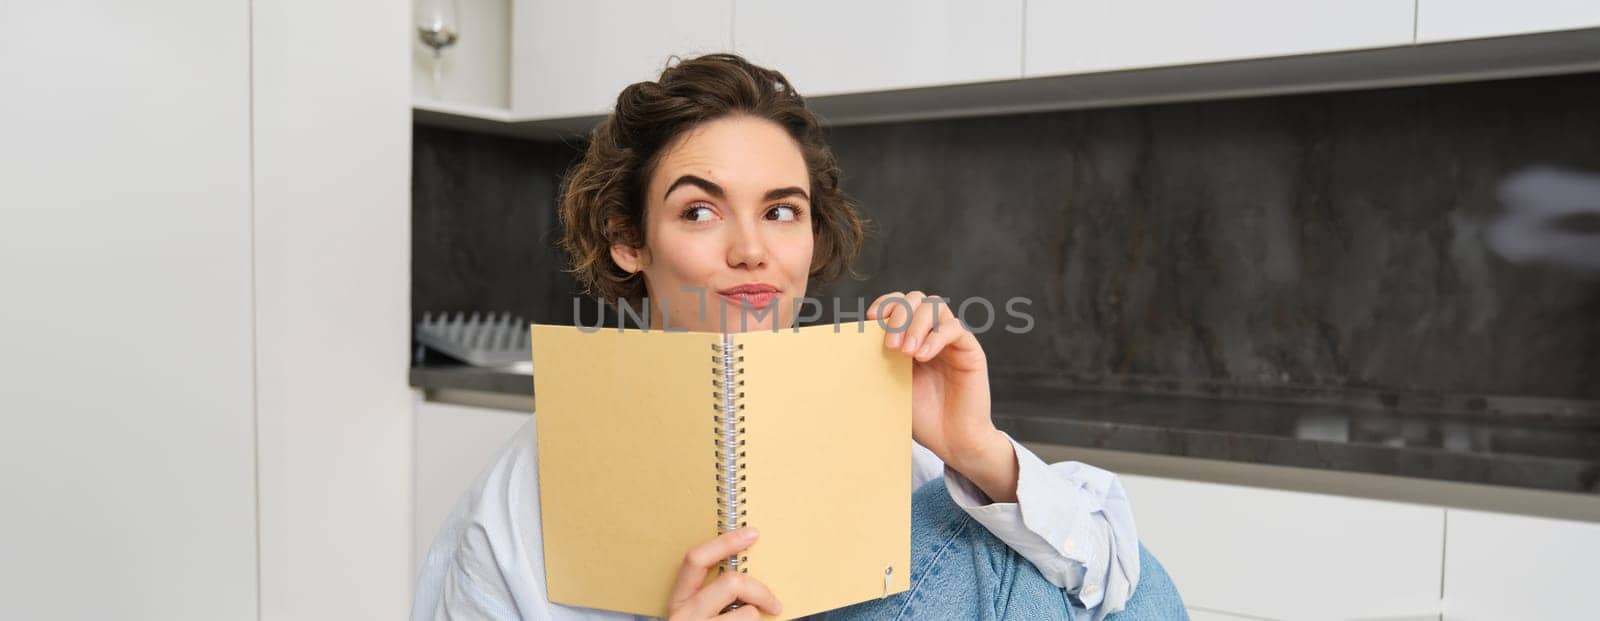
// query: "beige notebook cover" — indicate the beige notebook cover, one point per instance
point(629, 457)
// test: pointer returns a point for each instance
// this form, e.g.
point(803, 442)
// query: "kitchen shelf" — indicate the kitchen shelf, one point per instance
point(1572, 51)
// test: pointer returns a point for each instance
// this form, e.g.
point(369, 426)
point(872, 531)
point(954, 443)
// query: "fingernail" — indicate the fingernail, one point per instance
point(911, 345)
point(925, 349)
point(749, 534)
point(894, 339)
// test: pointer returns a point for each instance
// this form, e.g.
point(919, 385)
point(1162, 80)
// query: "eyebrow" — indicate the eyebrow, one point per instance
point(717, 192)
point(773, 195)
point(710, 188)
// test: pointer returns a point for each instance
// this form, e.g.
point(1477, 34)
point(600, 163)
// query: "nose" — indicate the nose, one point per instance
point(746, 248)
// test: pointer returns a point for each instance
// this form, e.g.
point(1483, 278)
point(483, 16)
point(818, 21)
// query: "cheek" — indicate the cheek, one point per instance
point(691, 264)
point(795, 257)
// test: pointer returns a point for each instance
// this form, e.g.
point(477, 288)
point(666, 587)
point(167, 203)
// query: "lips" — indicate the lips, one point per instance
point(757, 295)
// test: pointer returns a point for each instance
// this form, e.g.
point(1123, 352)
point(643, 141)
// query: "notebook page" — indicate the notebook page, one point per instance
point(626, 461)
point(828, 439)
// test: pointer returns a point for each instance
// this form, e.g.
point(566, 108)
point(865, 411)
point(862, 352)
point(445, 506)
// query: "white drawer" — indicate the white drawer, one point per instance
point(1291, 555)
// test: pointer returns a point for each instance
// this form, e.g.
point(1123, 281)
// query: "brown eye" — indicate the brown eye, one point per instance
point(697, 213)
point(784, 213)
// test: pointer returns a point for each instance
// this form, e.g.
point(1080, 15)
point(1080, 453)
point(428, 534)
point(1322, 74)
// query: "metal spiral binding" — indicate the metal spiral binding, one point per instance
point(728, 366)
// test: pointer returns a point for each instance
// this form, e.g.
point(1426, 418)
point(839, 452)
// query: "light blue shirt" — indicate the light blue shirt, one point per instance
point(1071, 520)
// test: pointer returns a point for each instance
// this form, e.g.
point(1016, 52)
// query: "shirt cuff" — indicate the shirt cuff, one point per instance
point(1050, 524)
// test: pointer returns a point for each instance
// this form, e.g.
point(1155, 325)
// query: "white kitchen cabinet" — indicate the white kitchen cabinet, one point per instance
point(1201, 614)
point(571, 59)
point(1082, 36)
point(1263, 553)
point(830, 47)
point(128, 435)
point(454, 444)
point(1235, 552)
point(475, 72)
point(330, 88)
point(1500, 566)
point(1447, 20)
point(204, 248)
point(905, 59)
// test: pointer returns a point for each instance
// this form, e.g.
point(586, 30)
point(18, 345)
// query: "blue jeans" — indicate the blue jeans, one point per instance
point(959, 570)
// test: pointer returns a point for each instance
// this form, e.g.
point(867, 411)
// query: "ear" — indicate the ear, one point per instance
point(628, 258)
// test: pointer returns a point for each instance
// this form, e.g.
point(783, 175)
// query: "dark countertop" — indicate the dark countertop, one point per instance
point(472, 378)
point(1558, 452)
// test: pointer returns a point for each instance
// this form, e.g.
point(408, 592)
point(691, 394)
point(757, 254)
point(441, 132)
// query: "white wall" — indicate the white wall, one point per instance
point(332, 247)
point(127, 474)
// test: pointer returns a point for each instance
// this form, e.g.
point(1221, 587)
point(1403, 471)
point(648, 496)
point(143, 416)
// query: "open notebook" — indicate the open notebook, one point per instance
point(637, 438)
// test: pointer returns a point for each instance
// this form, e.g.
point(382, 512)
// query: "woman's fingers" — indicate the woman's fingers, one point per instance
point(884, 310)
point(691, 600)
point(701, 558)
point(879, 310)
point(734, 587)
point(872, 309)
point(742, 613)
point(919, 325)
point(925, 318)
point(947, 329)
point(894, 312)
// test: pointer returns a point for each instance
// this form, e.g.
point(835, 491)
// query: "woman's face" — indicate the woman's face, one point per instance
point(728, 229)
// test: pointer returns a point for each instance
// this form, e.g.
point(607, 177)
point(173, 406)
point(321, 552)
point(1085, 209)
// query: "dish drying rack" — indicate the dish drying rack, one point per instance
point(485, 340)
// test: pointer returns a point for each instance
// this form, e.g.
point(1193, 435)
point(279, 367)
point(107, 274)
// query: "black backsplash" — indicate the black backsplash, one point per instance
point(484, 225)
point(1335, 241)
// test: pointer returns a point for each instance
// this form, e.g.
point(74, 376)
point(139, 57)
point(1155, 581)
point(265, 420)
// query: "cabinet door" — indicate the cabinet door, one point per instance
point(1500, 566)
point(1291, 555)
point(1444, 20)
point(454, 444)
point(843, 46)
point(571, 59)
point(331, 131)
point(1080, 36)
point(128, 437)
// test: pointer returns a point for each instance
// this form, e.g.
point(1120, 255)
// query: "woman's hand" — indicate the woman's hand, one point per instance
point(691, 600)
point(949, 390)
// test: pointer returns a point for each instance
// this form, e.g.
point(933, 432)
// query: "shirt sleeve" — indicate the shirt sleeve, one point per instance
point(1073, 521)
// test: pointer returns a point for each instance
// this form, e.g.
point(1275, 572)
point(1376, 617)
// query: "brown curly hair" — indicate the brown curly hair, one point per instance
point(603, 197)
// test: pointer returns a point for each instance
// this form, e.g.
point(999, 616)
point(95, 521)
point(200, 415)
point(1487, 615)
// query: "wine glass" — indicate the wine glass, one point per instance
point(438, 25)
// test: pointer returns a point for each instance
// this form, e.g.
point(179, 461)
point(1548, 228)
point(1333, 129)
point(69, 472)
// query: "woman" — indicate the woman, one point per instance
point(712, 190)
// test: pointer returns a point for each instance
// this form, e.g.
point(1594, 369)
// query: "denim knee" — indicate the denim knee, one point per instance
point(959, 570)
point(1155, 597)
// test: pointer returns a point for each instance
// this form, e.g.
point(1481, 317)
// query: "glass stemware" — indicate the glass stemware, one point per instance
point(438, 26)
